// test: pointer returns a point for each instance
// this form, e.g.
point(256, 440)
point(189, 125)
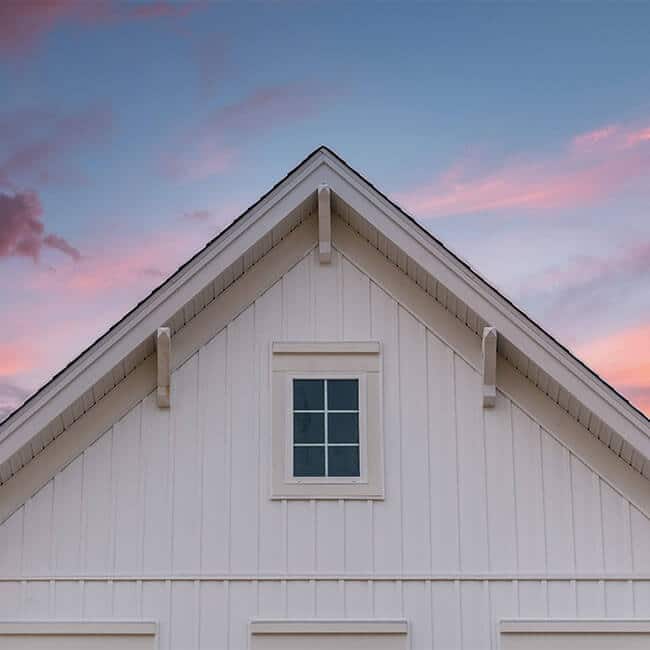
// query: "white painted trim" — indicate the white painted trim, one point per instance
point(324, 225)
point(489, 366)
point(328, 626)
point(74, 628)
point(574, 626)
point(329, 576)
point(328, 347)
point(163, 369)
point(360, 360)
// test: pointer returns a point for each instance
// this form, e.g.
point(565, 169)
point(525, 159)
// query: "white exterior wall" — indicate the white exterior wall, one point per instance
point(167, 515)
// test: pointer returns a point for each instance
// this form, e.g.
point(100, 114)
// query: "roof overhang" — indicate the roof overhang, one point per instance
point(295, 194)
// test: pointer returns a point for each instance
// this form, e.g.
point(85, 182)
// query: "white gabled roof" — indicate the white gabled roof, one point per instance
point(552, 367)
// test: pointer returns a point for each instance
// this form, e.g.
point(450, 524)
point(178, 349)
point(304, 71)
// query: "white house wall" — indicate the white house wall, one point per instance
point(167, 516)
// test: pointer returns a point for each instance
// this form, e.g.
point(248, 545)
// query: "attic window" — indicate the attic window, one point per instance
point(326, 427)
point(326, 420)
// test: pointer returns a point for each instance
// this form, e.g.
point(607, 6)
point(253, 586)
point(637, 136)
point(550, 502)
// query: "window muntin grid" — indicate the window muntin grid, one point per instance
point(335, 430)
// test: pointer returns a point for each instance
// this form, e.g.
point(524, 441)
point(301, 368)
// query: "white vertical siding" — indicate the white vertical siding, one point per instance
point(167, 514)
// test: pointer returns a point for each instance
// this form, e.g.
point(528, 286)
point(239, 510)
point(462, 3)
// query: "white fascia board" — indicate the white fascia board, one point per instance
point(160, 307)
point(468, 285)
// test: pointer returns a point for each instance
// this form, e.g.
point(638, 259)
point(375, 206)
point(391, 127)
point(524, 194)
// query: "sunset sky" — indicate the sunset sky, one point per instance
point(131, 133)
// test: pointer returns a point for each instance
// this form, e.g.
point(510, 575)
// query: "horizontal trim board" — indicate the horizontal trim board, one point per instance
point(574, 626)
point(327, 347)
point(329, 626)
point(327, 577)
point(83, 628)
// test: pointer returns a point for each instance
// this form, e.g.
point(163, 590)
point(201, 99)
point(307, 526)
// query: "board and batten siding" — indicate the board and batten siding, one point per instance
point(167, 515)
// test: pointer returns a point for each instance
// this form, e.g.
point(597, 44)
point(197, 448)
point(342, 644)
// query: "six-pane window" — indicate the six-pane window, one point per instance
point(326, 427)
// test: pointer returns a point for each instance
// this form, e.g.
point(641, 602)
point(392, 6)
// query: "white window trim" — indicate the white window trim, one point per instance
point(77, 628)
point(575, 626)
point(359, 360)
point(328, 626)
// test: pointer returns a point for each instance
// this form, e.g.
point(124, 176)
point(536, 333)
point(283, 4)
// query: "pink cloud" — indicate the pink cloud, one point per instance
point(161, 9)
point(267, 107)
point(623, 359)
point(132, 267)
point(632, 262)
point(204, 159)
point(593, 166)
point(591, 138)
point(22, 232)
point(212, 147)
point(16, 356)
point(24, 23)
point(34, 142)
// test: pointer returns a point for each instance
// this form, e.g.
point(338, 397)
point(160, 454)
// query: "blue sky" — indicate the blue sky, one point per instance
point(519, 134)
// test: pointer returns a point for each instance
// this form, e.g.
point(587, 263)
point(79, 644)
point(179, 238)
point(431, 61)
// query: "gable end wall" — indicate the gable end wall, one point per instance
point(167, 517)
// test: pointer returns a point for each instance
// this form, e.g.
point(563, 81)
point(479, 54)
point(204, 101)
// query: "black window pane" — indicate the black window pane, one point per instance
point(343, 394)
point(309, 461)
point(309, 427)
point(308, 395)
point(343, 427)
point(343, 461)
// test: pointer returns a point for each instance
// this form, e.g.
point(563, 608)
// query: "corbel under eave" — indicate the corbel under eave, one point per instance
point(324, 224)
point(163, 354)
point(489, 366)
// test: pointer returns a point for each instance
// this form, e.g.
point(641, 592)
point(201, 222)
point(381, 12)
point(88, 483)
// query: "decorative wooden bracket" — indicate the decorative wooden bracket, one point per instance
point(489, 367)
point(324, 225)
point(163, 354)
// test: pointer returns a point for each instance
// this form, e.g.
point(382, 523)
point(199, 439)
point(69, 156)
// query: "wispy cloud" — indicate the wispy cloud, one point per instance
point(622, 358)
point(213, 146)
point(11, 397)
point(15, 356)
point(199, 160)
point(22, 232)
point(24, 23)
point(590, 167)
point(36, 143)
point(585, 271)
point(571, 297)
